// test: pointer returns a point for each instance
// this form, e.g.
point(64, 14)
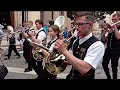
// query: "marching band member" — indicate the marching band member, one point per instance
point(27, 47)
point(87, 49)
point(12, 43)
point(111, 37)
point(39, 38)
point(54, 35)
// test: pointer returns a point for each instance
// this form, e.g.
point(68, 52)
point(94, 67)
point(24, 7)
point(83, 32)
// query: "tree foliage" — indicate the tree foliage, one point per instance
point(98, 14)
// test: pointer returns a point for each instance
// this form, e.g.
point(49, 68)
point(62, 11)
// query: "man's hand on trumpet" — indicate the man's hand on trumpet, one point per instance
point(114, 27)
point(107, 28)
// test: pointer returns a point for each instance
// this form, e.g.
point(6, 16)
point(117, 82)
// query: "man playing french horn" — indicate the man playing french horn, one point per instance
point(87, 49)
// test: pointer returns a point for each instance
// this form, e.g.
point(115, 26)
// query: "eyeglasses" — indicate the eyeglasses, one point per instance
point(80, 24)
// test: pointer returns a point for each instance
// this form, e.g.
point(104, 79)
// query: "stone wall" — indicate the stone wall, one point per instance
point(33, 15)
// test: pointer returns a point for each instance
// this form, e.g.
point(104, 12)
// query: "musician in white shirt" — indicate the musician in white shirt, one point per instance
point(87, 49)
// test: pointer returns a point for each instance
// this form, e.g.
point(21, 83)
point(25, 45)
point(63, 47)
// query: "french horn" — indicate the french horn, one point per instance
point(36, 51)
point(55, 61)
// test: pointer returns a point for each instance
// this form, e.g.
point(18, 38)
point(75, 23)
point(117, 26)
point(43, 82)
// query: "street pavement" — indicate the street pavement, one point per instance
point(16, 67)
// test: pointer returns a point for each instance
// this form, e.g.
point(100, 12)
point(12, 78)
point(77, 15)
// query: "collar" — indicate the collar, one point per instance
point(85, 38)
point(40, 29)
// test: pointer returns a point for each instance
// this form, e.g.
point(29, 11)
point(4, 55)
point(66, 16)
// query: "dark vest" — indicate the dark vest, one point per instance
point(113, 45)
point(79, 51)
point(26, 44)
point(12, 41)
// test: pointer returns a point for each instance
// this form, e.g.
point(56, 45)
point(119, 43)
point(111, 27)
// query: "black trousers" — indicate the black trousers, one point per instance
point(114, 64)
point(12, 47)
point(28, 59)
point(37, 66)
point(47, 75)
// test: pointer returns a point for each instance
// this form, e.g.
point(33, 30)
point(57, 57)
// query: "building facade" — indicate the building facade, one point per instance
point(15, 18)
point(20, 16)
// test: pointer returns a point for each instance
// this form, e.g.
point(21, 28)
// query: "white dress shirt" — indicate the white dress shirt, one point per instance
point(41, 35)
point(94, 53)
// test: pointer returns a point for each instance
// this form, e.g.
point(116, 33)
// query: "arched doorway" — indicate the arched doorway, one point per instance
point(7, 18)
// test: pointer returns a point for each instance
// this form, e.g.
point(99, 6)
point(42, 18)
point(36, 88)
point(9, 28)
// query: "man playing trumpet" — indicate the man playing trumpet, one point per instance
point(111, 36)
point(87, 49)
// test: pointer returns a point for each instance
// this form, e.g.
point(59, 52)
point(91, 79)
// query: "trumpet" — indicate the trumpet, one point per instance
point(115, 23)
point(109, 28)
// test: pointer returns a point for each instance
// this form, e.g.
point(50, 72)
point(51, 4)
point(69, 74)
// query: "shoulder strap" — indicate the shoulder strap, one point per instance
point(42, 30)
point(39, 32)
point(50, 43)
point(31, 29)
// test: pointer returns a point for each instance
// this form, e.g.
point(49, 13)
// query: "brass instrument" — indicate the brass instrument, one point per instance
point(109, 27)
point(55, 61)
point(37, 54)
point(36, 51)
point(115, 23)
point(60, 21)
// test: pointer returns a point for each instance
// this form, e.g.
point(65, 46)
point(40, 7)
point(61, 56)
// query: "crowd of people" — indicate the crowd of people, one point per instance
point(87, 50)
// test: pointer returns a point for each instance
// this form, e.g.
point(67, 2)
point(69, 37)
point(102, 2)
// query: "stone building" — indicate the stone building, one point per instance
point(15, 18)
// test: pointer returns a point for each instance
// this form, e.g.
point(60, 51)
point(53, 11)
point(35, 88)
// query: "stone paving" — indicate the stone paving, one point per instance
point(16, 66)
